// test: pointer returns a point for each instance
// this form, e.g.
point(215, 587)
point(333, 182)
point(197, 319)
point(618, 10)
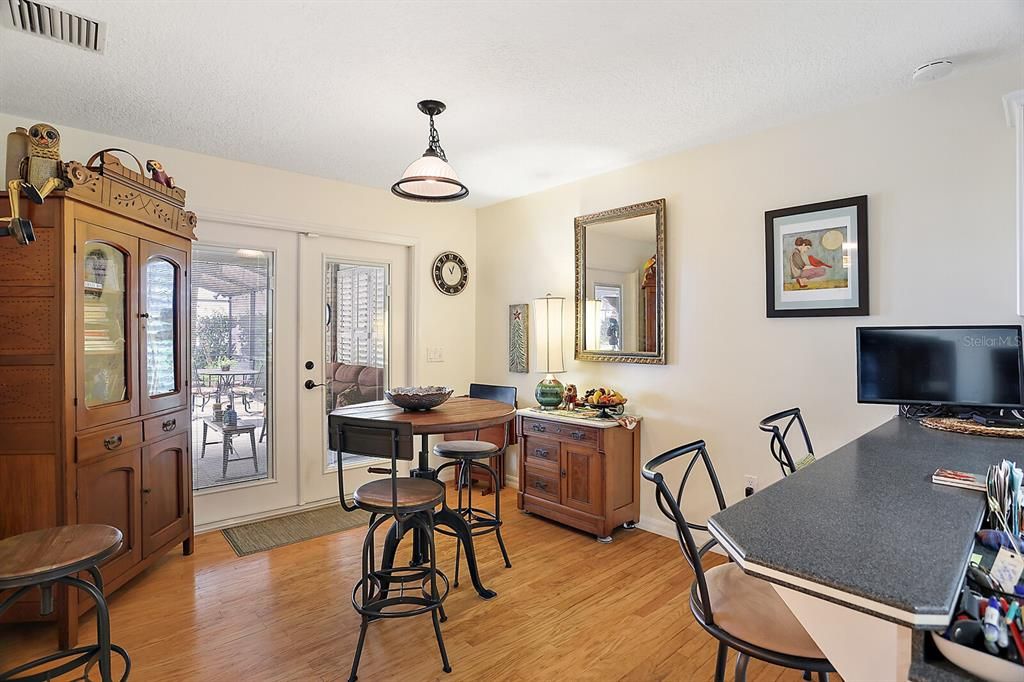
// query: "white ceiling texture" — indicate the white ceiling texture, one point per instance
point(538, 93)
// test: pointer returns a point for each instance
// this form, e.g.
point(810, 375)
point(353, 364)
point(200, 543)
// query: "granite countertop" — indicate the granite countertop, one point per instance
point(867, 526)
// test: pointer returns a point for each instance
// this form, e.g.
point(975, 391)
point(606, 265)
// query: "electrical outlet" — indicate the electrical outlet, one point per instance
point(749, 484)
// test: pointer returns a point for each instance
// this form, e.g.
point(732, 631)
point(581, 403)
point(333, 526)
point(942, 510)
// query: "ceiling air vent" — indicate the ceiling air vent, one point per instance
point(53, 23)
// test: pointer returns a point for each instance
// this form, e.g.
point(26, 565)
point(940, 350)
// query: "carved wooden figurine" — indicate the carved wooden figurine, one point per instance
point(158, 173)
point(41, 173)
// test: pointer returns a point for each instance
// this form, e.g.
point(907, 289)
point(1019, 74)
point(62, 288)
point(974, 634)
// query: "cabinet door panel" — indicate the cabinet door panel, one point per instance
point(165, 492)
point(162, 327)
point(108, 492)
point(106, 302)
point(581, 479)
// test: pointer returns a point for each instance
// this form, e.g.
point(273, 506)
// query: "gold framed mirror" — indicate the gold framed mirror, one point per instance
point(620, 284)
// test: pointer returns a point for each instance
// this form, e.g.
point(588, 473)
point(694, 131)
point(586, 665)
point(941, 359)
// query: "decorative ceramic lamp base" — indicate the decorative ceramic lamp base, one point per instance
point(549, 392)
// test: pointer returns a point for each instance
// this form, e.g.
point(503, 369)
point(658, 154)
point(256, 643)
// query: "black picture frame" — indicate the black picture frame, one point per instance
point(858, 203)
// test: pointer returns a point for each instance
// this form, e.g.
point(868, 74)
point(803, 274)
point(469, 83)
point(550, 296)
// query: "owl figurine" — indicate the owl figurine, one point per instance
point(157, 173)
point(41, 172)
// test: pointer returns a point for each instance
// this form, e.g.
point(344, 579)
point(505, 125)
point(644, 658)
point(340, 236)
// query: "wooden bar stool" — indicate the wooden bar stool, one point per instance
point(468, 456)
point(410, 504)
point(52, 556)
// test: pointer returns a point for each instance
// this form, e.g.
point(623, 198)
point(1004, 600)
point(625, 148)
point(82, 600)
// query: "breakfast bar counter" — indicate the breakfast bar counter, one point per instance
point(862, 546)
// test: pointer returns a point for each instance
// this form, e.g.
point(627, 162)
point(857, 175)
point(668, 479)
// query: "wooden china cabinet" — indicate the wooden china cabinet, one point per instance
point(94, 381)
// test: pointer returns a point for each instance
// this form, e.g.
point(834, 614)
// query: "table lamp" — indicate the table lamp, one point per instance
point(547, 315)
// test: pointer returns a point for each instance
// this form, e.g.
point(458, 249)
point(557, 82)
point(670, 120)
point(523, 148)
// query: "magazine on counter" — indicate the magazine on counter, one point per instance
point(960, 479)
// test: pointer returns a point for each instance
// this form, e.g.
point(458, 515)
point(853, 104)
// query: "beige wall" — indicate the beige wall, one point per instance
point(289, 199)
point(937, 163)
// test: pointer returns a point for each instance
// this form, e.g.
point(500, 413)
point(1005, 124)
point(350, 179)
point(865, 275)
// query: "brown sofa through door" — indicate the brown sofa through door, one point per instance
point(351, 384)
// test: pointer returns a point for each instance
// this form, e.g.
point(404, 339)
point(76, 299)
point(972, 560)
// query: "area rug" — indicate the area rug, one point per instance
point(286, 530)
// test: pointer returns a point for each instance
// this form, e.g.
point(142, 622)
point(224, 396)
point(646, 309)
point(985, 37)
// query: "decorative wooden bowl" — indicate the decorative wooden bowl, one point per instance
point(418, 398)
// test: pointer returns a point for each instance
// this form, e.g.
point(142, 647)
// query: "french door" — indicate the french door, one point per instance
point(353, 344)
point(244, 311)
point(339, 304)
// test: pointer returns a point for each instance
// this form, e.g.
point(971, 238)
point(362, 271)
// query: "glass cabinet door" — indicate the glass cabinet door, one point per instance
point(161, 306)
point(105, 325)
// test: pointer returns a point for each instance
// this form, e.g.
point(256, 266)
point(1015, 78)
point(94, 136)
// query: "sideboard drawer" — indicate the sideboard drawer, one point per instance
point(156, 428)
point(569, 433)
point(106, 441)
point(541, 483)
point(540, 452)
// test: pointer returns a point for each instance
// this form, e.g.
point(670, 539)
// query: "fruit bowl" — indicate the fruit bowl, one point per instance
point(418, 398)
point(609, 403)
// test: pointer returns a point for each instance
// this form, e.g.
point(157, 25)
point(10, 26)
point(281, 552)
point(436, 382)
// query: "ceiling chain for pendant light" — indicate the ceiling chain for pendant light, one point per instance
point(430, 178)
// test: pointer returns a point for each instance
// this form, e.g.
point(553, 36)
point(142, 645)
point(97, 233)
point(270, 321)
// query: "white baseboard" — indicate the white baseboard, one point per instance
point(659, 525)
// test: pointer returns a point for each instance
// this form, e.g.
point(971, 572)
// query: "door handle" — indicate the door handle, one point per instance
point(310, 384)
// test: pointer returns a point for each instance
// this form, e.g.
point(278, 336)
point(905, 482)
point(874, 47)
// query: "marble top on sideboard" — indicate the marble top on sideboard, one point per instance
point(561, 416)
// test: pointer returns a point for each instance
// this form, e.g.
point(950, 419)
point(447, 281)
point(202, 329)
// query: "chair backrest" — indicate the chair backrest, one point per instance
point(779, 447)
point(671, 506)
point(370, 438)
point(504, 394)
point(501, 436)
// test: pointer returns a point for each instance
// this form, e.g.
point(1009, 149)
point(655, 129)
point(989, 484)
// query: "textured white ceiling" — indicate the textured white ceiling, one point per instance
point(538, 93)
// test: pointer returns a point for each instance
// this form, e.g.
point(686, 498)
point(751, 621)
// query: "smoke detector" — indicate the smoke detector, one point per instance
point(933, 71)
point(50, 22)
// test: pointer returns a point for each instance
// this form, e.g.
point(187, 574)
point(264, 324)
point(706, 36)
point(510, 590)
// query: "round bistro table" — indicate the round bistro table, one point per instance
point(455, 415)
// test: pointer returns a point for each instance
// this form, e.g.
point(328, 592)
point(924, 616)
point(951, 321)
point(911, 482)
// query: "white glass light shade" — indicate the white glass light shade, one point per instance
point(429, 178)
point(547, 323)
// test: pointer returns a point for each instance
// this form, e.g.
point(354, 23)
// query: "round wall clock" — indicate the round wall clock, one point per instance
point(450, 273)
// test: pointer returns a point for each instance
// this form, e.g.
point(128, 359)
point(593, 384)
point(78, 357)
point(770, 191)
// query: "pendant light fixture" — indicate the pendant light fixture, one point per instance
point(430, 178)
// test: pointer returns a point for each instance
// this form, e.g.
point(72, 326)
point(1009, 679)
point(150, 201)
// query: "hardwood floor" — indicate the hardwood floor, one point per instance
point(569, 608)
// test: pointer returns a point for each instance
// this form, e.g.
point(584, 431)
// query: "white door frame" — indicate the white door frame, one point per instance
point(248, 501)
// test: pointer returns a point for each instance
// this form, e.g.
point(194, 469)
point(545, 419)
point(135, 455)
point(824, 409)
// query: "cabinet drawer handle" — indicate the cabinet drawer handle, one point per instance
point(112, 443)
point(540, 485)
point(542, 453)
point(578, 435)
point(147, 490)
point(539, 427)
point(170, 424)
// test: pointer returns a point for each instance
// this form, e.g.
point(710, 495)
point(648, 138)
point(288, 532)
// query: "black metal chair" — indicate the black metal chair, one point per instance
point(201, 390)
point(410, 503)
point(779, 448)
point(252, 388)
point(467, 455)
point(740, 611)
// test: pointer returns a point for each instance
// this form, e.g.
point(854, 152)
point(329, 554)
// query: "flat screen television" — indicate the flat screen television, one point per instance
point(964, 366)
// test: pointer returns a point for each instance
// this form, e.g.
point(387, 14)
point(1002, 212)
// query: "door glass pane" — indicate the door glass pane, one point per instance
point(105, 360)
point(232, 341)
point(160, 280)
point(356, 336)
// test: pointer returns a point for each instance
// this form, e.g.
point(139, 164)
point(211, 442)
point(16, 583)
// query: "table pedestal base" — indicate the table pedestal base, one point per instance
point(862, 648)
point(445, 517)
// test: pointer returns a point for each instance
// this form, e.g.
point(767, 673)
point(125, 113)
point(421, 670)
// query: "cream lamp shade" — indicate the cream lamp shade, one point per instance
point(547, 324)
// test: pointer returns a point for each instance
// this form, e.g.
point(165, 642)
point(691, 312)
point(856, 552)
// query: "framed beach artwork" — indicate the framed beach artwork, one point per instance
point(519, 338)
point(816, 259)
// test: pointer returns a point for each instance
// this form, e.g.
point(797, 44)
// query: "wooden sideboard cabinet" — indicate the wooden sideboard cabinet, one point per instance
point(583, 473)
point(94, 381)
